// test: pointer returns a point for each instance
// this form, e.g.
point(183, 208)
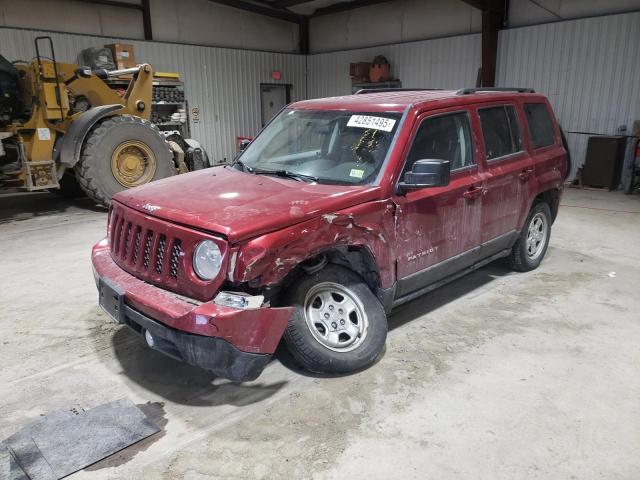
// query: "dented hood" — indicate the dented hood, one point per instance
point(240, 205)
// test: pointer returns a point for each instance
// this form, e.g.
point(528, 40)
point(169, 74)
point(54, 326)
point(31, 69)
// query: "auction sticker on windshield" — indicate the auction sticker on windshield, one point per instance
point(366, 121)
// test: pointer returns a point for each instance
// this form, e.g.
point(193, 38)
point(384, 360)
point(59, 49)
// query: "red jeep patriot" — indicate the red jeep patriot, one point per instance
point(339, 210)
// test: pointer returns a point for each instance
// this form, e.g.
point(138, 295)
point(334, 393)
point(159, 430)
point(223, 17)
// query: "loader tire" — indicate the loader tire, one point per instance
point(69, 186)
point(122, 152)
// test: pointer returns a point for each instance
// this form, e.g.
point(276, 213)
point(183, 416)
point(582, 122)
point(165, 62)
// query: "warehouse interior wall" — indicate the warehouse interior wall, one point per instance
point(392, 22)
point(450, 62)
point(223, 83)
point(198, 22)
point(72, 16)
point(528, 12)
point(588, 67)
point(202, 22)
point(409, 20)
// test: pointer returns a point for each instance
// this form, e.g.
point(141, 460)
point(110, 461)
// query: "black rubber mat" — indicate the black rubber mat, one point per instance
point(64, 442)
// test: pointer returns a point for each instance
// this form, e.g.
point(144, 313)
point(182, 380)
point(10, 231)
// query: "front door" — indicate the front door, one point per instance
point(273, 98)
point(438, 229)
point(508, 168)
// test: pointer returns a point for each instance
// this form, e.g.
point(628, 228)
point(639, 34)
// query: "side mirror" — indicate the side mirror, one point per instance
point(243, 145)
point(426, 173)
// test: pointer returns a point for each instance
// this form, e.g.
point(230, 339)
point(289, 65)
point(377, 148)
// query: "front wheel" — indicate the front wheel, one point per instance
point(339, 325)
point(532, 243)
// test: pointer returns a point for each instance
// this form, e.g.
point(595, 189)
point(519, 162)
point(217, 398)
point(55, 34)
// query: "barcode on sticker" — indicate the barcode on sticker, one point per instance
point(366, 121)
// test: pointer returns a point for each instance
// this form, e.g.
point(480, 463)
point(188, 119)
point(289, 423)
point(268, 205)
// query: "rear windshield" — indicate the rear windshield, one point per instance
point(336, 147)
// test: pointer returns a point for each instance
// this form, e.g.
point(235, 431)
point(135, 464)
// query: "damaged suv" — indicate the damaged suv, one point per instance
point(339, 210)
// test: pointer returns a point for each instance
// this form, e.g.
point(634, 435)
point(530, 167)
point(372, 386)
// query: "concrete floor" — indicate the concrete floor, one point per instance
point(495, 376)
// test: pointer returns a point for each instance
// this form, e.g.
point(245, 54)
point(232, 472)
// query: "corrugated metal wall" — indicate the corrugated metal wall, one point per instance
point(440, 63)
point(589, 69)
point(222, 83)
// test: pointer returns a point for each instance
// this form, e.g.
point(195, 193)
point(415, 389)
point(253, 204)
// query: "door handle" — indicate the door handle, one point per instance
point(525, 174)
point(473, 192)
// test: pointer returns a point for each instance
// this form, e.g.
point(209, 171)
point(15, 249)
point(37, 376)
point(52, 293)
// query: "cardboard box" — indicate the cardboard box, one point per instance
point(123, 55)
point(359, 69)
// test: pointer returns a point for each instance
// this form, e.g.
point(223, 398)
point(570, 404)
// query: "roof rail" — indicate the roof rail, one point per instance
point(468, 91)
point(383, 90)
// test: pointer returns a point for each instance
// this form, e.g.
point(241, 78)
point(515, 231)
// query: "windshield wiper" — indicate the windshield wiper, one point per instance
point(243, 166)
point(287, 173)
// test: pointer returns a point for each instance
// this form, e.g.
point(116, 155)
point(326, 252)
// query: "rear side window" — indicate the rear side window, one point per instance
point(540, 124)
point(445, 137)
point(500, 131)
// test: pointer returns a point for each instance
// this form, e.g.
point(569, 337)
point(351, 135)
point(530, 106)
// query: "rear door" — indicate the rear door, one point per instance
point(438, 229)
point(509, 169)
point(545, 143)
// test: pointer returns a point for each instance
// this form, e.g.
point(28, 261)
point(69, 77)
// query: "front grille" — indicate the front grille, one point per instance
point(159, 252)
point(145, 250)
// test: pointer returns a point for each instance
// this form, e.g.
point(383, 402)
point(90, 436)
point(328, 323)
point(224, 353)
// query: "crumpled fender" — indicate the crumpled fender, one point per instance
point(267, 259)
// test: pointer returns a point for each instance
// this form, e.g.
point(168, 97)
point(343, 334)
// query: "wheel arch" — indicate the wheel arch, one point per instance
point(74, 137)
point(552, 198)
point(357, 258)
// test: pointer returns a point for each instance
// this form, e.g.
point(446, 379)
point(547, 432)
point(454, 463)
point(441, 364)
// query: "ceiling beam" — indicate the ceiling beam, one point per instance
point(479, 4)
point(143, 7)
point(260, 10)
point(345, 6)
point(114, 3)
point(289, 3)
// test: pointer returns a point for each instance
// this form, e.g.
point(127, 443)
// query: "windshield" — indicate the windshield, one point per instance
point(332, 147)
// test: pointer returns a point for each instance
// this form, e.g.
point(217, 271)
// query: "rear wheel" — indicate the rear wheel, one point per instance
point(122, 152)
point(339, 326)
point(532, 243)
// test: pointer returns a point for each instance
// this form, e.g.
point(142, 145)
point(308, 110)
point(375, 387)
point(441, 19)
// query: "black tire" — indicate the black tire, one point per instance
point(69, 186)
point(313, 355)
point(196, 160)
point(519, 259)
point(93, 171)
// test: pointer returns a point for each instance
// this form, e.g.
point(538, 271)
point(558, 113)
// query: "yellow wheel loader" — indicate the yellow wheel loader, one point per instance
point(62, 127)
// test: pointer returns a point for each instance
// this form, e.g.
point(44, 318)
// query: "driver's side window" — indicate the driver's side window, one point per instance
point(444, 137)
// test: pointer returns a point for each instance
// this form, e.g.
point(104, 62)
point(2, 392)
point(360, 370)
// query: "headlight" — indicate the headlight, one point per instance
point(207, 260)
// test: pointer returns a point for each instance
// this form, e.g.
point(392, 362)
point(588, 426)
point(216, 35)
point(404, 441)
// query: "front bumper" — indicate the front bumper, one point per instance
point(233, 343)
